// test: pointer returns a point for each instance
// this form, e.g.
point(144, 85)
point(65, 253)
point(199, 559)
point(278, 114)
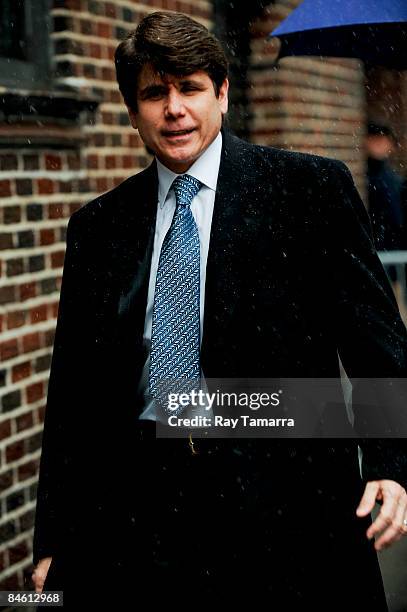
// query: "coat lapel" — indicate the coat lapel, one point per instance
point(131, 251)
point(235, 221)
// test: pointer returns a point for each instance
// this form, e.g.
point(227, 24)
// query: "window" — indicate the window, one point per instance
point(24, 43)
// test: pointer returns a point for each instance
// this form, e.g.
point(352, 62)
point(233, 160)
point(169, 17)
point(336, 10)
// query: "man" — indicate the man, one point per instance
point(187, 523)
point(384, 189)
point(385, 203)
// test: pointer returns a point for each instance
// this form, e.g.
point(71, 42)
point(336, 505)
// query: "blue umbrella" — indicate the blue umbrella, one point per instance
point(372, 30)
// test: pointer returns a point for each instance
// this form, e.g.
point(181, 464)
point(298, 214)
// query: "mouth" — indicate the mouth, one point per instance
point(177, 134)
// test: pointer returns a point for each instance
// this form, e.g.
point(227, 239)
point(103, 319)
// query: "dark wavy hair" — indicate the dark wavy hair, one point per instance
point(172, 43)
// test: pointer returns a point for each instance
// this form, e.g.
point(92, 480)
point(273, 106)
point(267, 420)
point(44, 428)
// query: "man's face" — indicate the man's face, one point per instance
point(178, 117)
point(379, 146)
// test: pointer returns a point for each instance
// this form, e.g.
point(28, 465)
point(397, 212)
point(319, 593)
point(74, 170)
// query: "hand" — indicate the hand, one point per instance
point(40, 573)
point(393, 512)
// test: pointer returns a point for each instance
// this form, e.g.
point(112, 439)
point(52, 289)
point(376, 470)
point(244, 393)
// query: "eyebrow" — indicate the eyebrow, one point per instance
point(154, 87)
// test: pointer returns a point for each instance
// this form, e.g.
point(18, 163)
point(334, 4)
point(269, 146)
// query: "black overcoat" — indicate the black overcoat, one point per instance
point(292, 281)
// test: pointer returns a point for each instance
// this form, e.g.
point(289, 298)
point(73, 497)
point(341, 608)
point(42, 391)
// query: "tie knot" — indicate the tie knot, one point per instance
point(186, 187)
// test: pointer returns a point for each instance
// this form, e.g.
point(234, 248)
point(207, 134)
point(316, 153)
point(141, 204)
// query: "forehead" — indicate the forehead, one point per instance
point(379, 137)
point(149, 76)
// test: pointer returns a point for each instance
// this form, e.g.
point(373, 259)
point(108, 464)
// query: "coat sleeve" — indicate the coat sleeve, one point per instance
point(371, 337)
point(48, 517)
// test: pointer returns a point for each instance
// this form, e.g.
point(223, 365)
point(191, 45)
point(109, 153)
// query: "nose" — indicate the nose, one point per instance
point(175, 105)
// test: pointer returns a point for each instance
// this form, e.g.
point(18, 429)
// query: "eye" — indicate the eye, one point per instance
point(190, 88)
point(154, 94)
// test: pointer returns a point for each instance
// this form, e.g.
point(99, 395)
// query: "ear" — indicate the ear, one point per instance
point(223, 97)
point(133, 117)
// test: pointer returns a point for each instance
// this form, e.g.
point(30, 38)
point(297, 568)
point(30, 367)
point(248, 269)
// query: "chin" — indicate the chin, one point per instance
point(181, 160)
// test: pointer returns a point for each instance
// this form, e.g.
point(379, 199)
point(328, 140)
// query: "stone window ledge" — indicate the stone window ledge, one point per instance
point(44, 118)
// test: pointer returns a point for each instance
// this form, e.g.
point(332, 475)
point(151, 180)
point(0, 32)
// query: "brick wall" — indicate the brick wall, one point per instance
point(306, 104)
point(48, 170)
point(41, 185)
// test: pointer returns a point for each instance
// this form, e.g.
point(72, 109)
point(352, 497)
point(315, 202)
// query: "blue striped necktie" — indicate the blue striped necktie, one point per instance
point(175, 334)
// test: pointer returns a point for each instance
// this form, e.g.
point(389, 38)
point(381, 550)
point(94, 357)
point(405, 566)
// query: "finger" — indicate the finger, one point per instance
point(397, 529)
point(386, 515)
point(39, 586)
point(368, 499)
point(38, 580)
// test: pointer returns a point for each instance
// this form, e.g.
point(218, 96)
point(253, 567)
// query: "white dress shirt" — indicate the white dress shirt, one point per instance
point(206, 170)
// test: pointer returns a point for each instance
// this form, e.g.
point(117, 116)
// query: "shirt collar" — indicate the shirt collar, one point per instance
point(205, 169)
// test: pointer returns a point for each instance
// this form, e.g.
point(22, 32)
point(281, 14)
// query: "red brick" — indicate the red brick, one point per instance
point(31, 162)
point(101, 184)
point(33, 443)
point(45, 186)
point(27, 291)
point(12, 214)
point(57, 259)
point(39, 313)
point(7, 294)
point(24, 421)
point(93, 162)
point(41, 413)
point(55, 211)
point(107, 118)
point(20, 371)
point(74, 206)
point(5, 429)
point(65, 186)
point(49, 337)
point(15, 319)
point(95, 50)
point(6, 480)
point(108, 74)
point(104, 30)
point(14, 451)
point(17, 552)
point(110, 10)
point(73, 5)
point(127, 161)
point(12, 583)
point(53, 162)
point(34, 392)
point(74, 161)
point(27, 470)
point(47, 236)
point(8, 349)
point(15, 266)
point(8, 162)
point(6, 240)
point(110, 161)
point(31, 342)
point(54, 310)
point(24, 186)
point(5, 189)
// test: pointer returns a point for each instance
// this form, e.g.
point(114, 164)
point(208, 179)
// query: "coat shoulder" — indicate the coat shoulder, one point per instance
point(106, 205)
point(272, 158)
